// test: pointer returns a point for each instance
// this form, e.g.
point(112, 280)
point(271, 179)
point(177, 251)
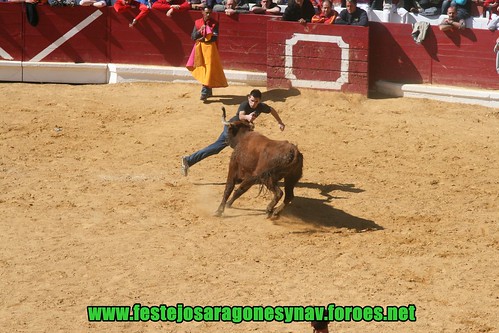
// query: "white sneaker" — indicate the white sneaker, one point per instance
point(185, 166)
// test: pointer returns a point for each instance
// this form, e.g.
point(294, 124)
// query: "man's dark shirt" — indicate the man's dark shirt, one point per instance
point(294, 12)
point(359, 17)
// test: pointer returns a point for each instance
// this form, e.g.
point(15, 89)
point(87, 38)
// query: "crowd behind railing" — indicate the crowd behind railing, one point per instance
point(465, 13)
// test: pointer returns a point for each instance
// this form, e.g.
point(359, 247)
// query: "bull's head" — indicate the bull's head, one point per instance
point(236, 130)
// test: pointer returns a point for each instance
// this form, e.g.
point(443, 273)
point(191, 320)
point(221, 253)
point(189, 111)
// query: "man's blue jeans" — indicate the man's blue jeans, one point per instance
point(212, 149)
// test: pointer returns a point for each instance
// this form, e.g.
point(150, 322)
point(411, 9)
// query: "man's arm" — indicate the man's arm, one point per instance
point(342, 18)
point(196, 34)
point(363, 20)
point(273, 112)
point(249, 117)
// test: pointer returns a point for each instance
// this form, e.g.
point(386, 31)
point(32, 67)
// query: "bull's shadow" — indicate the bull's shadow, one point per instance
point(320, 213)
point(274, 95)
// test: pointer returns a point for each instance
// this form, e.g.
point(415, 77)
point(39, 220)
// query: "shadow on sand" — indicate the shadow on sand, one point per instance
point(318, 212)
point(274, 95)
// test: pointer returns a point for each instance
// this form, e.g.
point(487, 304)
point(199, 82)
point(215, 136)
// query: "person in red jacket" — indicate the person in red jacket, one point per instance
point(328, 15)
point(170, 6)
point(144, 6)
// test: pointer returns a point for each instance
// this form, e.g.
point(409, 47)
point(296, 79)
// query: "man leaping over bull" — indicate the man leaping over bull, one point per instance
point(248, 110)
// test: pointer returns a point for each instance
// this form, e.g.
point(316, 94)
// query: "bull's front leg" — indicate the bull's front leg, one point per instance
point(229, 187)
point(243, 187)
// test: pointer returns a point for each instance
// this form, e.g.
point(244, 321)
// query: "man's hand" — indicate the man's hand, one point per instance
point(251, 117)
point(282, 126)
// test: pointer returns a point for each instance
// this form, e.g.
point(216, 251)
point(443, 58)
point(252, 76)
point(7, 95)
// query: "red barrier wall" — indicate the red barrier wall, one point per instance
point(155, 40)
point(460, 58)
point(52, 39)
point(12, 19)
point(251, 42)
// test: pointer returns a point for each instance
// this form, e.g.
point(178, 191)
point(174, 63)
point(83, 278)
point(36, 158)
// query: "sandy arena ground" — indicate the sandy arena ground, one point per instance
point(398, 205)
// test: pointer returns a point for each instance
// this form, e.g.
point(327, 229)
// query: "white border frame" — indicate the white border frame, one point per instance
point(317, 84)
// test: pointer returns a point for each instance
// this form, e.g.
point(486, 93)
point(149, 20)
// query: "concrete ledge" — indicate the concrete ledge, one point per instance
point(135, 73)
point(489, 98)
point(62, 72)
point(11, 71)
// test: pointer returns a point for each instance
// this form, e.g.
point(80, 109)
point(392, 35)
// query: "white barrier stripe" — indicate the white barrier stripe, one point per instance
point(5, 55)
point(68, 35)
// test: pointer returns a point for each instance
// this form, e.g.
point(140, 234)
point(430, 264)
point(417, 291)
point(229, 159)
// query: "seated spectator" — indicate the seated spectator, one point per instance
point(328, 15)
point(95, 3)
point(423, 7)
point(493, 23)
point(353, 15)
point(490, 7)
point(266, 7)
point(300, 11)
point(62, 3)
point(452, 22)
point(231, 7)
point(122, 5)
point(170, 6)
point(463, 8)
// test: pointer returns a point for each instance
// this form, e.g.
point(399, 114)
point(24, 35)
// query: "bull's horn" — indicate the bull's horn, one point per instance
point(224, 116)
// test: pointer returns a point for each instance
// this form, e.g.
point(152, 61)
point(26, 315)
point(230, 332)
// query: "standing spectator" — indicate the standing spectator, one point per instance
point(463, 8)
point(268, 7)
point(353, 15)
point(328, 15)
point(122, 5)
point(169, 6)
point(204, 62)
point(452, 22)
point(300, 11)
point(231, 7)
point(95, 3)
point(248, 110)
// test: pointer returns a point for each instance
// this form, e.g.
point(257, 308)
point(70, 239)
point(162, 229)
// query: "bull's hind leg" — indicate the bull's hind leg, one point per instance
point(243, 187)
point(289, 186)
point(274, 188)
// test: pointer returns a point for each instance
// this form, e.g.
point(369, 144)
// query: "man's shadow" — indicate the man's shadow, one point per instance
point(274, 95)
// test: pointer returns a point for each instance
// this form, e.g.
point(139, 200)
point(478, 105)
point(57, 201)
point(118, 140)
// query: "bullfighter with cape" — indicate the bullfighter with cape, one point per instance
point(204, 62)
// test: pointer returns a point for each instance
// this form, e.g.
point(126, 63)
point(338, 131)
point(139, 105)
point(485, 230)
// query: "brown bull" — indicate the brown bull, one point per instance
point(257, 159)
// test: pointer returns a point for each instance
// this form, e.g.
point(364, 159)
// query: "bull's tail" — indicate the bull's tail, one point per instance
point(292, 178)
